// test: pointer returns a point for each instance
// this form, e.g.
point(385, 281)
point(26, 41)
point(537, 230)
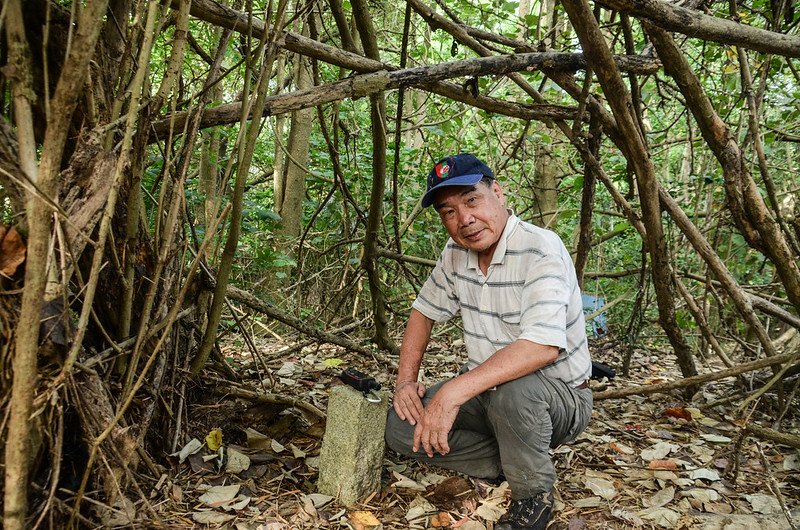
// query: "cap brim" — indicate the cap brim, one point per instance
point(461, 180)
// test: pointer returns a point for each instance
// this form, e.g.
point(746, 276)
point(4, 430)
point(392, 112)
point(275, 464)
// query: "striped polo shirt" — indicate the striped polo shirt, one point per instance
point(530, 292)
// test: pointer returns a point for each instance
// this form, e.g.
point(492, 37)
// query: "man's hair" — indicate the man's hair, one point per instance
point(488, 181)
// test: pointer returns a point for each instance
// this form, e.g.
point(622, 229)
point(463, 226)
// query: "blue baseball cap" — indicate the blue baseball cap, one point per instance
point(463, 169)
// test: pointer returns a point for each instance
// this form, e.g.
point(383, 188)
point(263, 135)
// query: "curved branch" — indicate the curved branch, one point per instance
point(749, 210)
point(214, 13)
point(271, 311)
point(428, 77)
point(638, 156)
point(696, 24)
point(695, 380)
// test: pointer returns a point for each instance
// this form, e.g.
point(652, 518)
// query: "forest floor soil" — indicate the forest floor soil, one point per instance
point(655, 461)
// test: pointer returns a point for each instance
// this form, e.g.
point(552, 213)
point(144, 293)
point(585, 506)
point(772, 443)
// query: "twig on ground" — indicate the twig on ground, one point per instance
point(690, 381)
point(278, 399)
point(772, 435)
point(300, 345)
point(772, 484)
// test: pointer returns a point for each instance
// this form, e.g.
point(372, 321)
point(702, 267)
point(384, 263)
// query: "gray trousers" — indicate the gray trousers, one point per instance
point(509, 429)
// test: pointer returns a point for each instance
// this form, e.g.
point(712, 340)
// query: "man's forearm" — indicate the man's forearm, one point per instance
point(415, 342)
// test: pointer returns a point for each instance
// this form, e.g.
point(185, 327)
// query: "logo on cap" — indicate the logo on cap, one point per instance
point(442, 170)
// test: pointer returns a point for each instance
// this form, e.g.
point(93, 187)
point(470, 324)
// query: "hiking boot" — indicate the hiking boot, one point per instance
point(532, 513)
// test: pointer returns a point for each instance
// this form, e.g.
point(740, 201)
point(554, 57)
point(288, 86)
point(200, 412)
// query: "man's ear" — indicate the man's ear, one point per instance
point(498, 191)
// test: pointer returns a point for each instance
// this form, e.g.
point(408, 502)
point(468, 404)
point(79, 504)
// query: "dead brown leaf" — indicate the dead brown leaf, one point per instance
point(721, 508)
point(663, 464)
point(621, 448)
point(451, 493)
point(363, 520)
point(441, 520)
point(177, 493)
point(678, 412)
point(12, 250)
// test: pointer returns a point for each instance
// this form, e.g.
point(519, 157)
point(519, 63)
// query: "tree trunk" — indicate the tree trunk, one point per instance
point(751, 214)
point(587, 203)
point(545, 186)
point(369, 260)
point(638, 157)
point(296, 160)
point(278, 169)
point(39, 219)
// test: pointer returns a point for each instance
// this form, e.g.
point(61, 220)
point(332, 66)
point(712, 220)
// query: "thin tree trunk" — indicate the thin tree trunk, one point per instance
point(39, 219)
point(245, 157)
point(278, 181)
point(25, 374)
point(297, 155)
point(587, 203)
point(369, 260)
point(523, 10)
point(749, 211)
point(602, 62)
point(398, 126)
point(545, 186)
point(341, 24)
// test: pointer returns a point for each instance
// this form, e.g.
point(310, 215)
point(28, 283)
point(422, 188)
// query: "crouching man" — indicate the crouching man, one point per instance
point(524, 389)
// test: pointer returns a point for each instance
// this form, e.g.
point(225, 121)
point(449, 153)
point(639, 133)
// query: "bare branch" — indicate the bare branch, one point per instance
point(695, 380)
point(697, 24)
point(425, 76)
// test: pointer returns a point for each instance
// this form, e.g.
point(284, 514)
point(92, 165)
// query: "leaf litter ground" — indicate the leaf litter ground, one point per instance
point(643, 462)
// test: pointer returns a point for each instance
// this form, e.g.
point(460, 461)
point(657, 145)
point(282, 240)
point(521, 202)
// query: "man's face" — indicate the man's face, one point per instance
point(474, 216)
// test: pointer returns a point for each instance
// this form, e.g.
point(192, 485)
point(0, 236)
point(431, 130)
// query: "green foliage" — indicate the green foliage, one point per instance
point(324, 269)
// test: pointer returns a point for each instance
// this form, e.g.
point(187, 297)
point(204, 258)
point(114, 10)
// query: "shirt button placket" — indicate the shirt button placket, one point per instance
point(485, 306)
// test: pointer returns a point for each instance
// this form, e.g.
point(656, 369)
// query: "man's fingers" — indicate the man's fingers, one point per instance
point(413, 406)
point(408, 405)
point(400, 410)
point(442, 446)
point(426, 443)
point(406, 413)
point(416, 408)
point(422, 440)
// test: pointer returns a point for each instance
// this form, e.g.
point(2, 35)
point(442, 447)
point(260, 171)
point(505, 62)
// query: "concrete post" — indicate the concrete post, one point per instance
point(352, 448)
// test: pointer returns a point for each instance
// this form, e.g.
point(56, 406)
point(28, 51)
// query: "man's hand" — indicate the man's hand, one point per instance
point(435, 424)
point(407, 401)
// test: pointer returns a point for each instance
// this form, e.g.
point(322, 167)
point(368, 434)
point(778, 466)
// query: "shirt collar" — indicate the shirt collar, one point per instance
point(500, 250)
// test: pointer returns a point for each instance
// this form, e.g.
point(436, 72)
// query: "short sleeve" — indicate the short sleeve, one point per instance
point(543, 307)
point(437, 299)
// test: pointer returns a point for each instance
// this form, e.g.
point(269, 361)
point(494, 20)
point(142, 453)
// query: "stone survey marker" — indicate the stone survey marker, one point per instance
point(352, 449)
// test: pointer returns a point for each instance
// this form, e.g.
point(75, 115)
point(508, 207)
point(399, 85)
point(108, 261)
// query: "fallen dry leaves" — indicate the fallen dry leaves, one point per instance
point(642, 463)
